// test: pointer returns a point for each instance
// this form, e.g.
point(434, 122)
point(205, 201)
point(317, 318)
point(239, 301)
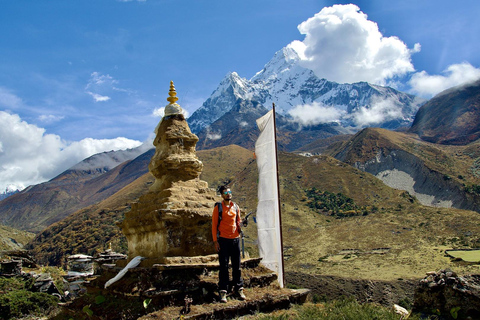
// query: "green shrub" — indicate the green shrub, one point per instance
point(473, 189)
point(336, 204)
point(19, 303)
point(9, 284)
point(405, 302)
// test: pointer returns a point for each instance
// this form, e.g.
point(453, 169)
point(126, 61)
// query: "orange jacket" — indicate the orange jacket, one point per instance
point(229, 225)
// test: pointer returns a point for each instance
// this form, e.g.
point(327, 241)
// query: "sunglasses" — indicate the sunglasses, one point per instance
point(227, 192)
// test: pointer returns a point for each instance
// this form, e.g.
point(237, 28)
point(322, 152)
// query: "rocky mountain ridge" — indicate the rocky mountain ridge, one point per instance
point(435, 175)
point(88, 182)
point(238, 126)
point(291, 87)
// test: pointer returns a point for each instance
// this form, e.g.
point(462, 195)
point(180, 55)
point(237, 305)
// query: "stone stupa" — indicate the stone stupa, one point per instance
point(171, 227)
point(174, 218)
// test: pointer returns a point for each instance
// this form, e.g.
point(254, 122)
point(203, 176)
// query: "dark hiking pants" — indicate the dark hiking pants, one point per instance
point(229, 249)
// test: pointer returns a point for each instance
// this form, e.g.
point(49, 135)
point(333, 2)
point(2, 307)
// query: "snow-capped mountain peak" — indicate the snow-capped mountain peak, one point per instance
point(283, 61)
point(232, 81)
point(303, 97)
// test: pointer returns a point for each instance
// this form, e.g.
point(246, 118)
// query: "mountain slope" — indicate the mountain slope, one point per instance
point(89, 229)
point(319, 146)
point(238, 126)
point(7, 194)
point(36, 207)
point(451, 117)
point(392, 237)
point(437, 175)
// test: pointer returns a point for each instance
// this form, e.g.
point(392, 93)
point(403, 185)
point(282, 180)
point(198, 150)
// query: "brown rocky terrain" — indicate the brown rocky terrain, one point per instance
point(437, 175)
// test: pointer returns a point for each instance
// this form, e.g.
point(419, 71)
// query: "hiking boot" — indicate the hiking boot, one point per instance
point(223, 296)
point(241, 294)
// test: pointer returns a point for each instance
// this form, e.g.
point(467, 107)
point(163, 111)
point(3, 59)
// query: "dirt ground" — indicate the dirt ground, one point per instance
point(329, 288)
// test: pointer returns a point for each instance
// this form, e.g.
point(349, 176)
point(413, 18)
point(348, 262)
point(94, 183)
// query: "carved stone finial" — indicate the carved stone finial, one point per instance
point(172, 93)
point(172, 108)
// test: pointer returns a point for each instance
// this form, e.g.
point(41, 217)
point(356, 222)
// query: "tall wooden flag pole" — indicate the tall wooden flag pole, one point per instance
point(278, 196)
point(270, 239)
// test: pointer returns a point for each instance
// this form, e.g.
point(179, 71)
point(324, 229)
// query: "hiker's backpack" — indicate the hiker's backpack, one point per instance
point(220, 210)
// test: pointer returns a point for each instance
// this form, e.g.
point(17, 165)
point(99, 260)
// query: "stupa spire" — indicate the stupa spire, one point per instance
point(172, 93)
point(173, 108)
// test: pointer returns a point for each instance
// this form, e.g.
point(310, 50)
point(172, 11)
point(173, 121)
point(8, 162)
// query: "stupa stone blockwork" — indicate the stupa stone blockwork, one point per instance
point(174, 217)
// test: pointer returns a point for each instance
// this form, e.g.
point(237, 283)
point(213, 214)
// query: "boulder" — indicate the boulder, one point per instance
point(450, 295)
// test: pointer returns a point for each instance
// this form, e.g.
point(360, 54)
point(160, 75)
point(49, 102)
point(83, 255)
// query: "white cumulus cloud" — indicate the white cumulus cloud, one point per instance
point(429, 85)
point(28, 155)
point(315, 113)
point(97, 97)
point(380, 110)
point(159, 112)
point(342, 45)
point(214, 136)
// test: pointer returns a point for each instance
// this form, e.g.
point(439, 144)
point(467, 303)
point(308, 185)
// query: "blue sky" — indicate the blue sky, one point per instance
point(89, 75)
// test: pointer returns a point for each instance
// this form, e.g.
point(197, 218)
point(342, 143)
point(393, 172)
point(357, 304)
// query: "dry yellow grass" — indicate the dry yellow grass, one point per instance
point(416, 236)
point(401, 240)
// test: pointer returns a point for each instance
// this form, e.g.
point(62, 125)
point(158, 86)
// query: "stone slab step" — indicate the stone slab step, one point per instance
point(246, 263)
point(258, 300)
point(170, 263)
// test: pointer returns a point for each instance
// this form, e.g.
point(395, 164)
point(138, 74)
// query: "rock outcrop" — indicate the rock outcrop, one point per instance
point(448, 294)
point(402, 170)
point(174, 217)
point(382, 153)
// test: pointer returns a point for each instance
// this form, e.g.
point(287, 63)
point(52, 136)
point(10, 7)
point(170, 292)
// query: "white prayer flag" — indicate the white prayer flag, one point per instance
point(268, 210)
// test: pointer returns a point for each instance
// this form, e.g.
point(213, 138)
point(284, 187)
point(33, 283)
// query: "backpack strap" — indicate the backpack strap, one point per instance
point(220, 209)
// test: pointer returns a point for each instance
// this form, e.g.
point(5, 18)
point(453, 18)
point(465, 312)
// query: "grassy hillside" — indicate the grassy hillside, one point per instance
point(391, 237)
point(398, 238)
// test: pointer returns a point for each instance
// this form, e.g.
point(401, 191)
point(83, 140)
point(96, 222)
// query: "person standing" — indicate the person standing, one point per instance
point(226, 231)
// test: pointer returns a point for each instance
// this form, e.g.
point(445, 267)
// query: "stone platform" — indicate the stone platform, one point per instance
point(265, 300)
point(181, 289)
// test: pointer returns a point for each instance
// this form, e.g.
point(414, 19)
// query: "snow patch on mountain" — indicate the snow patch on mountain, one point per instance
point(302, 97)
point(106, 161)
